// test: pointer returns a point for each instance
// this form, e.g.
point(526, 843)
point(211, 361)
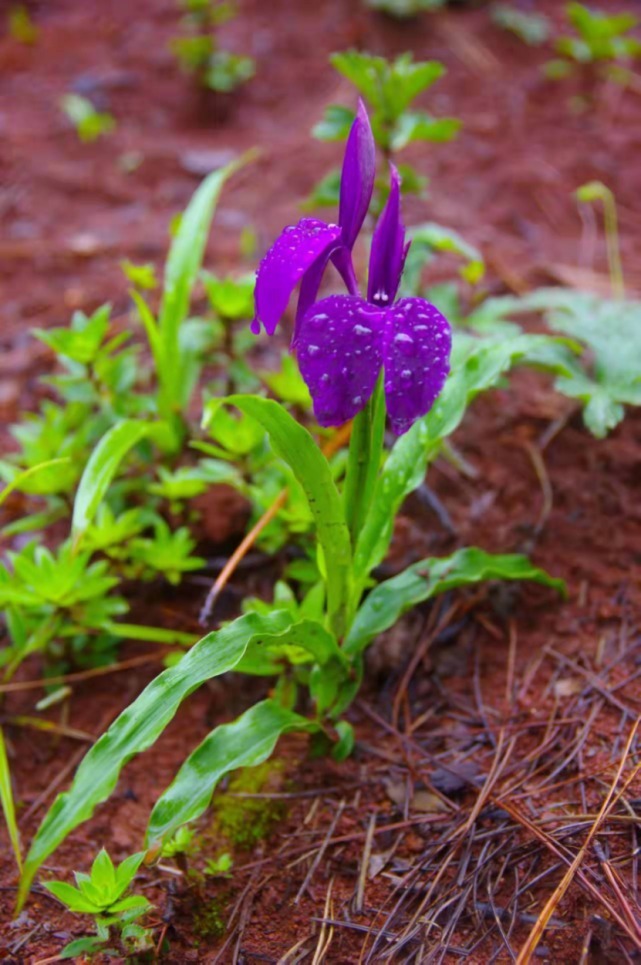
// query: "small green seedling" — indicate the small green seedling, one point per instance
point(89, 123)
point(103, 895)
point(220, 866)
point(198, 50)
point(21, 26)
point(142, 277)
point(532, 28)
point(405, 8)
point(601, 45)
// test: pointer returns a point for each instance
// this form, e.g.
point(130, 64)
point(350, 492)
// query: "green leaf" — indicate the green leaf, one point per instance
point(293, 443)
point(389, 600)
point(245, 742)
point(103, 873)
point(71, 897)
point(131, 903)
point(326, 193)
point(477, 365)
point(89, 123)
point(305, 641)
point(362, 70)
point(335, 125)
point(82, 946)
point(231, 298)
point(6, 799)
point(101, 469)
point(405, 8)
point(26, 474)
point(419, 126)
point(346, 739)
point(533, 29)
point(150, 326)
point(429, 239)
point(181, 271)
point(140, 725)
point(609, 328)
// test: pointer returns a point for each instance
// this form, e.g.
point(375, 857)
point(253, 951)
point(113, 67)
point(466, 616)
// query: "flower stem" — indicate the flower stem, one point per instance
point(363, 463)
point(597, 191)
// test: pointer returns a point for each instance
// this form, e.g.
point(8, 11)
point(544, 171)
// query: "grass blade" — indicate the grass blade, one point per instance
point(101, 469)
point(6, 799)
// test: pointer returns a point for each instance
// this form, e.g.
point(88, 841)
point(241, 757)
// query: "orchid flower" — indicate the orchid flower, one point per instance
point(301, 253)
point(344, 341)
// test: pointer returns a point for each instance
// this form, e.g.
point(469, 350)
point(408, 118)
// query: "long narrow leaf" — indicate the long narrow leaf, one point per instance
point(293, 443)
point(245, 742)
point(22, 477)
point(101, 469)
point(138, 727)
point(430, 577)
point(183, 264)
point(6, 799)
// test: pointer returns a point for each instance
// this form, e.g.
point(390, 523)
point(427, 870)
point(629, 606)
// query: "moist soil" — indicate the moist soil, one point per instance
point(493, 723)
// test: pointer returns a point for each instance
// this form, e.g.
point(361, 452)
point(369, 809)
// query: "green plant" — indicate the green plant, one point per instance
point(389, 88)
point(90, 124)
point(532, 28)
point(601, 44)
point(21, 26)
point(103, 894)
point(312, 642)
point(198, 50)
point(105, 455)
point(609, 376)
point(405, 8)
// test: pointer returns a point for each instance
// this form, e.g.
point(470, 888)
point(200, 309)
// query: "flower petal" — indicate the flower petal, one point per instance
point(418, 341)
point(291, 255)
point(357, 176)
point(388, 252)
point(339, 351)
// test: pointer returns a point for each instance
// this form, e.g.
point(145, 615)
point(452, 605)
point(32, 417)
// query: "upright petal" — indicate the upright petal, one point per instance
point(357, 176)
point(416, 355)
point(292, 254)
point(339, 351)
point(388, 252)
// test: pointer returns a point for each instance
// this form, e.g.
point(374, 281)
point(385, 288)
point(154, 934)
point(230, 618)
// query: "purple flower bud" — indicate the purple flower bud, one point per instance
point(388, 253)
point(357, 177)
point(301, 253)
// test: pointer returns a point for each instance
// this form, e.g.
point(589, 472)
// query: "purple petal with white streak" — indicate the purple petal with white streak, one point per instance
point(357, 176)
point(387, 255)
point(417, 346)
point(293, 253)
point(339, 350)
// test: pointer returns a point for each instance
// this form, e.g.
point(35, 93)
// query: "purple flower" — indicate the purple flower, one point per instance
point(343, 341)
point(301, 253)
